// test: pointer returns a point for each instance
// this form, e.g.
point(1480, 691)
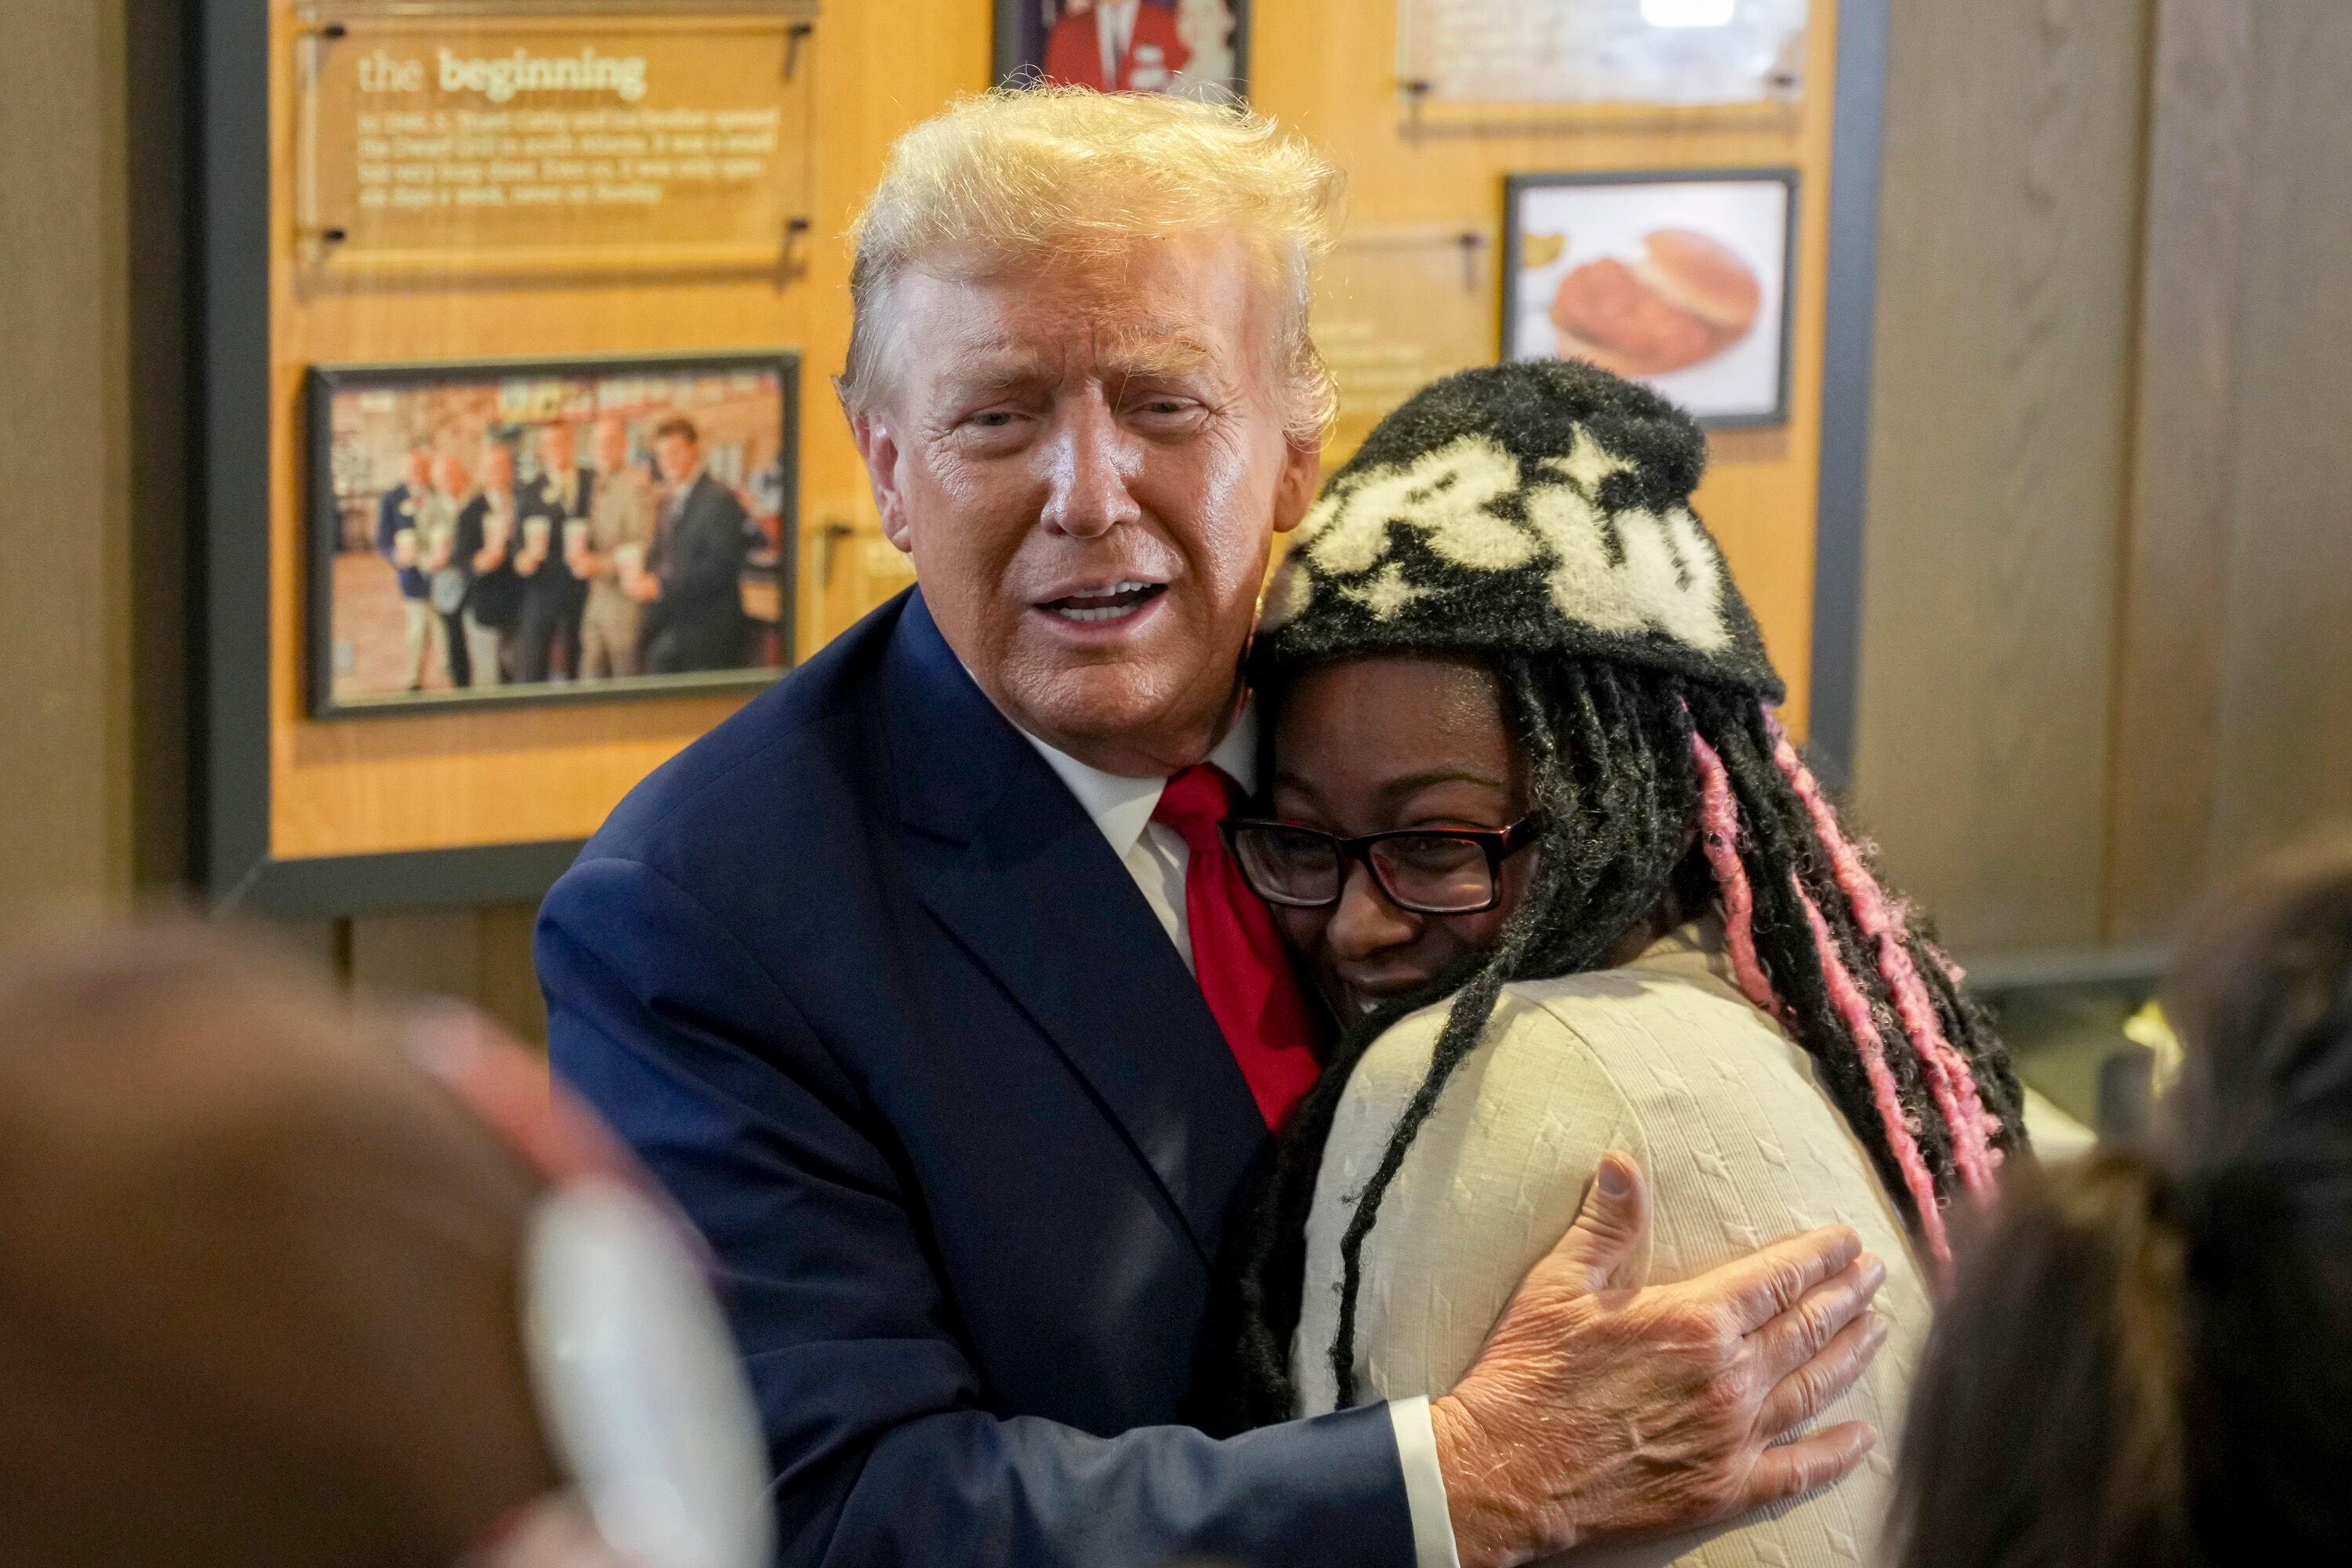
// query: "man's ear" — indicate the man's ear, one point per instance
point(1302, 466)
point(879, 448)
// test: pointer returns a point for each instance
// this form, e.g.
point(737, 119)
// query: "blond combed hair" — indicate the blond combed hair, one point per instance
point(1002, 177)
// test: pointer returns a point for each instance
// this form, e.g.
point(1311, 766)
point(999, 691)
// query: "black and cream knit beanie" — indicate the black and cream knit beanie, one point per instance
point(1538, 507)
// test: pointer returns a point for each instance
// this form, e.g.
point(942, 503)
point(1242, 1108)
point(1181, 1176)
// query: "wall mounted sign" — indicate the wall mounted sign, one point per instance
point(1601, 51)
point(1397, 306)
point(526, 532)
point(1198, 48)
point(456, 139)
point(1678, 278)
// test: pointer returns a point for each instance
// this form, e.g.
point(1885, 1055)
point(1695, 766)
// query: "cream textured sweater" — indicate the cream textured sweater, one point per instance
point(1665, 1060)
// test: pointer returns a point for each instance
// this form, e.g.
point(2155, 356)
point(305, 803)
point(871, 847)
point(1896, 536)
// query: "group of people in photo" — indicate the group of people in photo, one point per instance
point(588, 570)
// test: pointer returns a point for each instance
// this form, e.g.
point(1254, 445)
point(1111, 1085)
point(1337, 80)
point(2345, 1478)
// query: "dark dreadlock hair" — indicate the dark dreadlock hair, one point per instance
point(1535, 516)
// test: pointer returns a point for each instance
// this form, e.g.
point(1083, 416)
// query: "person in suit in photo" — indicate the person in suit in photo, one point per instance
point(620, 530)
point(547, 629)
point(487, 542)
point(397, 539)
point(927, 987)
point(448, 573)
point(1115, 45)
point(692, 583)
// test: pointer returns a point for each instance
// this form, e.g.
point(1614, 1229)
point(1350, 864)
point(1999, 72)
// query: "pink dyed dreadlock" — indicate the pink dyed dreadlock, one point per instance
point(1719, 832)
point(1948, 1071)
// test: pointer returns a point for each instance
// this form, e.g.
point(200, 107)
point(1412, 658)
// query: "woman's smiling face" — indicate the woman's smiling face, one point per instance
point(1367, 744)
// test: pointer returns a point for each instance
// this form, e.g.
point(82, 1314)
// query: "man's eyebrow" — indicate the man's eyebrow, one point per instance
point(988, 372)
point(1156, 353)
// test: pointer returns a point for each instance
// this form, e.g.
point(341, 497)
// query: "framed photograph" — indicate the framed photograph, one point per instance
point(493, 534)
point(1679, 280)
point(1197, 49)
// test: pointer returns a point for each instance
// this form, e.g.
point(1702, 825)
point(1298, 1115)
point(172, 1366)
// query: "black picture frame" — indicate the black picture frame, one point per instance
point(1021, 31)
point(1516, 187)
point(321, 527)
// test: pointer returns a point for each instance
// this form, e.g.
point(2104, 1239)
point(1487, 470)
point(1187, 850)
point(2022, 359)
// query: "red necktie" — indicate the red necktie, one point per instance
point(1245, 974)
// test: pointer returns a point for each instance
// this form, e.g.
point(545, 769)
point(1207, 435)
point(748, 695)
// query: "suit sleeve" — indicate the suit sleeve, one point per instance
point(709, 564)
point(387, 524)
point(472, 534)
point(883, 1450)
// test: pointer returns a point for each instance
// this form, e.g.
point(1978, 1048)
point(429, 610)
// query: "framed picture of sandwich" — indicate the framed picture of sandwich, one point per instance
point(1678, 278)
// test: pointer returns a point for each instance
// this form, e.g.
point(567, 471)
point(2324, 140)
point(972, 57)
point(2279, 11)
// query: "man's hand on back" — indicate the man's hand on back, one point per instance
point(1595, 1412)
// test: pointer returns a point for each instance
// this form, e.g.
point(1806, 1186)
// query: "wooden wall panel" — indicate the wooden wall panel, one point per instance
point(2283, 742)
point(2174, 613)
point(92, 801)
point(479, 955)
point(62, 502)
point(2001, 410)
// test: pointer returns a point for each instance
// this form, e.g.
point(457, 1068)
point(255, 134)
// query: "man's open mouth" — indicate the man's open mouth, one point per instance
point(1114, 603)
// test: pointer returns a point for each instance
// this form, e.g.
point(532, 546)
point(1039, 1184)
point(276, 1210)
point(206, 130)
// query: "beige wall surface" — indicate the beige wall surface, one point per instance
point(2007, 245)
point(90, 480)
point(2283, 751)
point(2107, 622)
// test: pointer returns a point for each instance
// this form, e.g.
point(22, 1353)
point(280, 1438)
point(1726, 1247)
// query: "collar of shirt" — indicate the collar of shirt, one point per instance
point(1121, 807)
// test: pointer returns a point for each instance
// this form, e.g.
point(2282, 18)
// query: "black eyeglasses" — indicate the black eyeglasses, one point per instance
point(1428, 870)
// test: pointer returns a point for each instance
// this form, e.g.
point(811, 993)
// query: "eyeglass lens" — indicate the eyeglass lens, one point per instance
point(1431, 873)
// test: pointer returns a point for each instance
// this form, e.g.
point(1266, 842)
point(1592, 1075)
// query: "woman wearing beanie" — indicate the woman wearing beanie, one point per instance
point(1533, 829)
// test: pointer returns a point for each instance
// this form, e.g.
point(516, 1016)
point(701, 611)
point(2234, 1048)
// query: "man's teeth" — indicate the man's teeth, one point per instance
point(1114, 602)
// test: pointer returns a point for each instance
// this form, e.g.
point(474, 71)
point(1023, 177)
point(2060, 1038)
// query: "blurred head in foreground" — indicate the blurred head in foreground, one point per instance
point(2149, 1361)
point(271, 1293)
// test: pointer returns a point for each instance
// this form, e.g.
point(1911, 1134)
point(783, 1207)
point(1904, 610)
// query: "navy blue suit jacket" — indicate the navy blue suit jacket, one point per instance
point(870, 994)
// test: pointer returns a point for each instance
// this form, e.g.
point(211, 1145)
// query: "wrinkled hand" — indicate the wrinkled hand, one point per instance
point(1600, 1413)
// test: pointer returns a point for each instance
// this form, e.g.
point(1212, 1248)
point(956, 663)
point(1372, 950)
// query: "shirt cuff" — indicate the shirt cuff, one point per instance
point(1424, 1484)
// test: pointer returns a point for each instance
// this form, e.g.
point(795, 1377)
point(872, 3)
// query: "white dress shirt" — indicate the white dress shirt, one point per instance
point(1156, 858)
point(1114, 30)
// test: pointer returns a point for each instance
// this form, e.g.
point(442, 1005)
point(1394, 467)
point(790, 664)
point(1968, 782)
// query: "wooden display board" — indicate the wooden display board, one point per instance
point(316, 816)
point(434, 140)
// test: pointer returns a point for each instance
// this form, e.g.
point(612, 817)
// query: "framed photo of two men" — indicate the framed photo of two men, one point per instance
point(1197, 49)
point(493, 533)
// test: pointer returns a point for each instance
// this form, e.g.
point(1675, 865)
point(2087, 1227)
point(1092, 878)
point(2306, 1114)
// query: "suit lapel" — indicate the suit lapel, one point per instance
point(1033, 890)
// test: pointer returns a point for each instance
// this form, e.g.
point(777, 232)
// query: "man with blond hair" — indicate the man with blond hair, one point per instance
point(926, 985)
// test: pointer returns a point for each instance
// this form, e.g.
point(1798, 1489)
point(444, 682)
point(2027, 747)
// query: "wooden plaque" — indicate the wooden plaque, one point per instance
point(462, 142)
